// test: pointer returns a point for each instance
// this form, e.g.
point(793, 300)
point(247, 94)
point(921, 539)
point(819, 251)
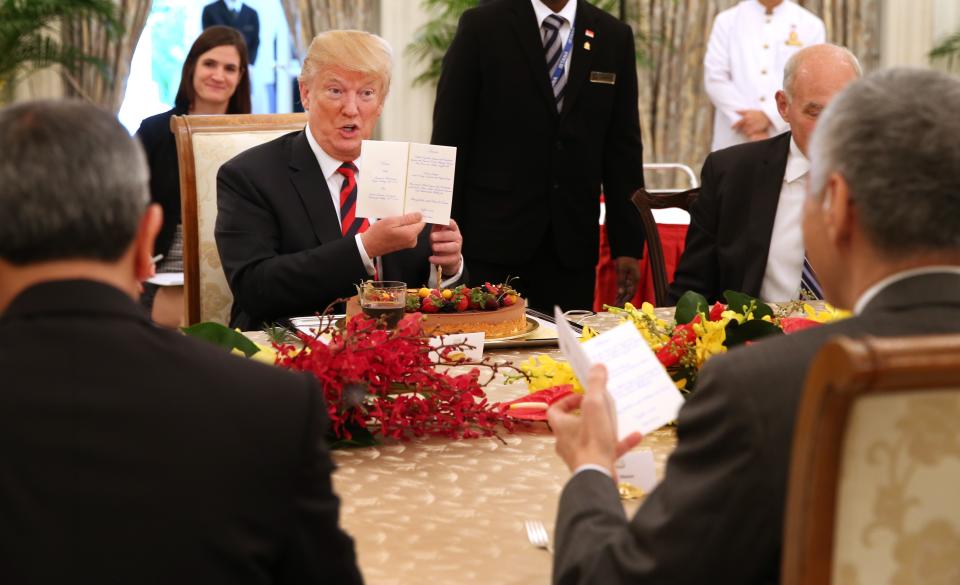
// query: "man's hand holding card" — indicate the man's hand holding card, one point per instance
point(628, 393)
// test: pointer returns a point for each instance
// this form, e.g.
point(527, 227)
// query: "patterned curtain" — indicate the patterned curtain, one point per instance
point(310, 17)
point(90, 82)
point(855, 24)
point(676, 114)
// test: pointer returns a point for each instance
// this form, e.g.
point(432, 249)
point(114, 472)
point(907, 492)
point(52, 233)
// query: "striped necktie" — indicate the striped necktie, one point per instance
point(809, 285)
point(350, 224)
point(553, 46)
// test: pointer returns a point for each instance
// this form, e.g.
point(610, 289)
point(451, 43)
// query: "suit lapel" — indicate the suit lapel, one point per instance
point(524, 23)
point(311, 186)
point(581, 59)
point(763, 209)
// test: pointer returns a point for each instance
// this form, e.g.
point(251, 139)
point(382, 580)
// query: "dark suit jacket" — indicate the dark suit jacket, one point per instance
point(160, 146)
point(522, 167)
point(731, 222)
point(717, 517)
point(247, 22)
point(133, 454)
point(280, 241)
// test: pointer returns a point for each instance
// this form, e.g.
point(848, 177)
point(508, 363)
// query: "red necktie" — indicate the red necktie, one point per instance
point(350, 224)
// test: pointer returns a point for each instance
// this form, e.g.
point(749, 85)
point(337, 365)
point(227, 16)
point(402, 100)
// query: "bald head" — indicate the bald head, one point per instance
point(812, 77)
point(818, 62)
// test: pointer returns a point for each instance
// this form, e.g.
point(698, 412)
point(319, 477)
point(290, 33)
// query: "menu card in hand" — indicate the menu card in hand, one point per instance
point(404, 177)
point(645, 397)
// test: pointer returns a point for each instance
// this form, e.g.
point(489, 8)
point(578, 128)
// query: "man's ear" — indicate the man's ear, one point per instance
point(782, 103)
point(143, 242)
point(304, 94)
point(838, 209)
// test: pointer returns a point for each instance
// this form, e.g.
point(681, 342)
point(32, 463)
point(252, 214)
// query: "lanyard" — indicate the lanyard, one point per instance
point(567, 49)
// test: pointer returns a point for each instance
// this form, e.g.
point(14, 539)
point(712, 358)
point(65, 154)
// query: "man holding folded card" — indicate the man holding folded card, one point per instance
point(288, 232)
point(882, 230)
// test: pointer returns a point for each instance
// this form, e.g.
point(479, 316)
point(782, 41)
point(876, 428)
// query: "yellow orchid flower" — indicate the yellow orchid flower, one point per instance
point(546, 372)
point(729, 315)
point(710, 338)
point(828, 314)
point(652, 328)
point(266, 355)
point(588, 333)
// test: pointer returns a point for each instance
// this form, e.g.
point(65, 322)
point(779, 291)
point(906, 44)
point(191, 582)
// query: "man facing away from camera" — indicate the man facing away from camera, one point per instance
point(882, 224)
point(131, 453)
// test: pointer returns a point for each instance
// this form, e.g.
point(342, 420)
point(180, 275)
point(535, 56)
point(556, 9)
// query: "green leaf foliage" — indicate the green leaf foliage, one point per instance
point(361, 437)
point(738, 334)
point(744, 303)
point(30, 38)
point(222, 336)
point(432, 40)
point(689, 305)
point(948, 50)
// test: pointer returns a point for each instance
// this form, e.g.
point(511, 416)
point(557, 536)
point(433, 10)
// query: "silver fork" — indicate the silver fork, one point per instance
point(537, 535)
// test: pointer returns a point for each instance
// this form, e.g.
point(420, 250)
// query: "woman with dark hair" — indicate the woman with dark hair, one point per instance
point(214, 80)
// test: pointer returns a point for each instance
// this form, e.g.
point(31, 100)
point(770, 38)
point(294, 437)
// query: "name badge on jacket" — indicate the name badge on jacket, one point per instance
point(603, 77)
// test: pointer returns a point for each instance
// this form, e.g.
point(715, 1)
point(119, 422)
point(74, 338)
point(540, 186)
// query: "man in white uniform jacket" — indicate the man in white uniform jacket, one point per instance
point(743, 68)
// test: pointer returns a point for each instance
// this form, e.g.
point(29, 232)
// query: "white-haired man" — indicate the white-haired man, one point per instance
point(287, 232)
point(882, 222)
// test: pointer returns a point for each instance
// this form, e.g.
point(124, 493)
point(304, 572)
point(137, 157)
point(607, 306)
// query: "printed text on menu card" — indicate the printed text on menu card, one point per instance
point(404, 177)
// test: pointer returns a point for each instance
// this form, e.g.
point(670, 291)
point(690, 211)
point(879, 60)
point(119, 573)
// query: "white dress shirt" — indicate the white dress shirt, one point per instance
point(781, 280)
point(743, 66)
point(329, 167)
point(569, 12)
point(234, 5)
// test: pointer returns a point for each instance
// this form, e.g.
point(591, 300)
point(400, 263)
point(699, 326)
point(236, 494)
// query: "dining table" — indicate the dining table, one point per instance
point(439, 511)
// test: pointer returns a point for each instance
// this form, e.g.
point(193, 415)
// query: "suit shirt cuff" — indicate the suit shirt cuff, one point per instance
point(432, 280)
point(593, 467)
point(367, 261)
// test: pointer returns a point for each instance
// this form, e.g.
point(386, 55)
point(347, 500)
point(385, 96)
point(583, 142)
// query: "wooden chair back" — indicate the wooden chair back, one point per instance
point(875, 468)
point(204, 143)
point(645, 202)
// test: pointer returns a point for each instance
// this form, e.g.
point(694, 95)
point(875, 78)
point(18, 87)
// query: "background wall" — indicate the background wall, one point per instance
point(409, 109)
point(911, 29)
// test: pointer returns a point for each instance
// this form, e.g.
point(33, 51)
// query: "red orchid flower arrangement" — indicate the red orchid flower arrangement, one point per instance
point(381, 383)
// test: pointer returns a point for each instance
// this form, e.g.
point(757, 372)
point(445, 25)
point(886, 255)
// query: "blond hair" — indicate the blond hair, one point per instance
point(353, 50)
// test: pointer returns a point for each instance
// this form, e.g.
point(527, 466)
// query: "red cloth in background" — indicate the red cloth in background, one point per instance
point(672, 237)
